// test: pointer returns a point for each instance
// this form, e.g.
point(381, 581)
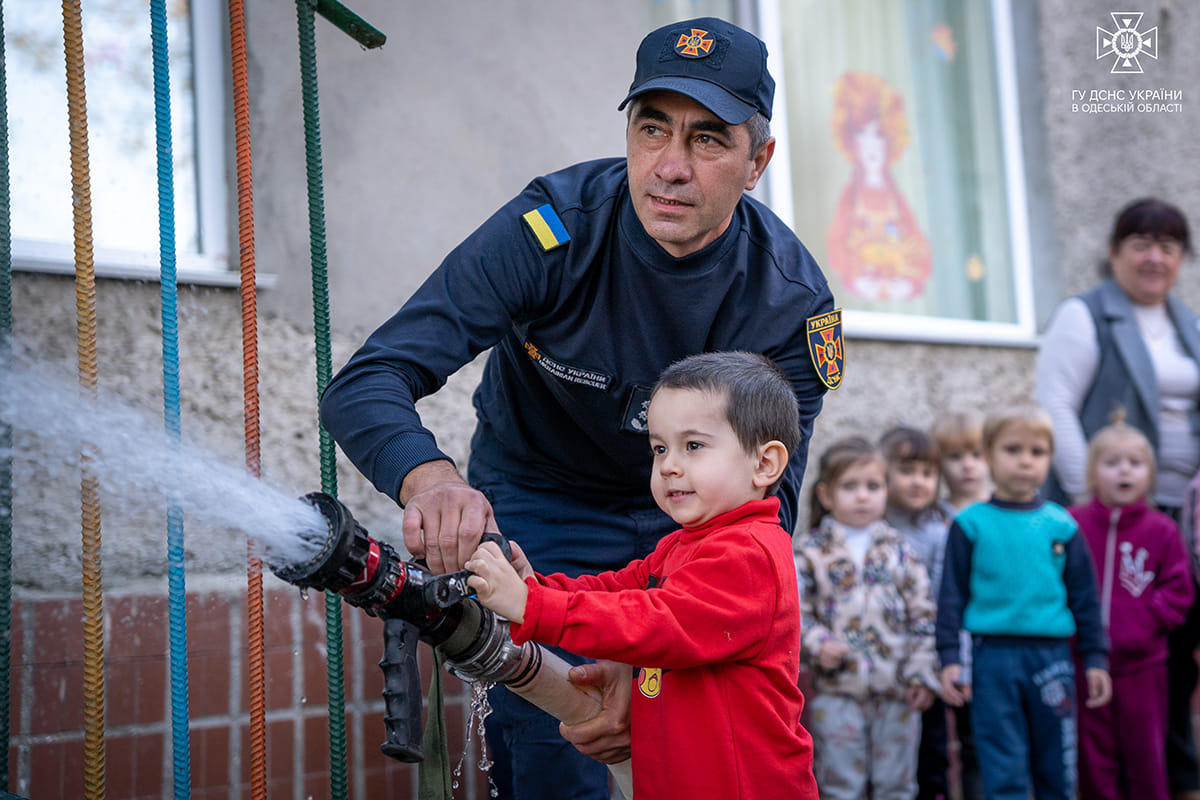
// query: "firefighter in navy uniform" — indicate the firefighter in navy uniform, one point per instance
point(585, 286)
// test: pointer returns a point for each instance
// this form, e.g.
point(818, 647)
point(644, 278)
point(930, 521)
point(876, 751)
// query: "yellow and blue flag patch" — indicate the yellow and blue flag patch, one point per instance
point(547, 227)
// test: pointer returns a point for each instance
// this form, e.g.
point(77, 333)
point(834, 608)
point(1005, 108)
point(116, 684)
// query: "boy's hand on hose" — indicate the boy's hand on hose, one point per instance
point(496, 582)
point(604, 737)
point(1099, 687)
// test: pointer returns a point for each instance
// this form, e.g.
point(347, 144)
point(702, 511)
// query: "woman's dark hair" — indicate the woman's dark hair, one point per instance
point(1150, 217)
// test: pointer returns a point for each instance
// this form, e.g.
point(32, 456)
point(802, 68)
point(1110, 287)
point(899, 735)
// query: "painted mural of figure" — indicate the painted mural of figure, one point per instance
point(875, 245)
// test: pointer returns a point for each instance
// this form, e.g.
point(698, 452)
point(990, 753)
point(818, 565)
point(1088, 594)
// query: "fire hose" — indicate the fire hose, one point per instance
point(440, 611)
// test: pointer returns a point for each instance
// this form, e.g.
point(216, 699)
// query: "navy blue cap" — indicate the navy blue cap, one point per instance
point(716, 63)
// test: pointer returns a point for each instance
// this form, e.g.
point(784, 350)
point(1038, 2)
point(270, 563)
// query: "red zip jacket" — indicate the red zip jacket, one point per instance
point(711, 619)
point(1144, 578)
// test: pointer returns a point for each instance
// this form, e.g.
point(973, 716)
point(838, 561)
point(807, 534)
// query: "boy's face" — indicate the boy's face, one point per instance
point(1019, 460)
point(912, 485)
point(965, 470)
point(700, 468)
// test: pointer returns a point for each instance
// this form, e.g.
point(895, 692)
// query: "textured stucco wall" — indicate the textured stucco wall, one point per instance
point(1100, 161)
point(423, 139)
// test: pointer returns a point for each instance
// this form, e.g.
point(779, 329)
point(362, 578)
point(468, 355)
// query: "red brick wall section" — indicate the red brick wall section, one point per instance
point(46, 724)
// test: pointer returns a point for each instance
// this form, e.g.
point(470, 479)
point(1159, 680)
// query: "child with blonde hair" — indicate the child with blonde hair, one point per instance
point(867, 631)
point(1145, 591)
point(959, 439)
point(1019, 579)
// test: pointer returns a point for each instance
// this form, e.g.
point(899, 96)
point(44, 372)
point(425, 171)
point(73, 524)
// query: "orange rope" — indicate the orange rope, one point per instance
point(85, 304)
point(254, 592)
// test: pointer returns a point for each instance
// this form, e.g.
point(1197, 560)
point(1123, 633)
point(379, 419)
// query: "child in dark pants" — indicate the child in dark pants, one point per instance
point(918, 515)
point(1018, 577)
point(1145, 591)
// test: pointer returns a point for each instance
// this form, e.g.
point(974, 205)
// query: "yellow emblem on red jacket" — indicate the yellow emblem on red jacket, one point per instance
point(826, 347)
point(650, 681)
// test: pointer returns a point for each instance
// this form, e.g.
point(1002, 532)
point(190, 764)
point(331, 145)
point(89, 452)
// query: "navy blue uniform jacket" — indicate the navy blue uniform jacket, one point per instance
point(579, 334)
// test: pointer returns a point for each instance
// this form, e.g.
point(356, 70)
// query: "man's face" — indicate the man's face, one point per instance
point(687, 170)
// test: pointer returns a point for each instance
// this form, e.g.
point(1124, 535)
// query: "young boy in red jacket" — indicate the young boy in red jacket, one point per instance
point(711, 618)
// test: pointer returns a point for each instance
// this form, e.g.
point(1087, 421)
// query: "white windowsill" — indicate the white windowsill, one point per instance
point(194, 270)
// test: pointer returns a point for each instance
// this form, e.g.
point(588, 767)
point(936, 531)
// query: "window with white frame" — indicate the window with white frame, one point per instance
point(899, 162)
point(119, 81)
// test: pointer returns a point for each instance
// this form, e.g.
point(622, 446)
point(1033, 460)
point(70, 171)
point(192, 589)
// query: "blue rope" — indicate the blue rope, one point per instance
point(177, 595)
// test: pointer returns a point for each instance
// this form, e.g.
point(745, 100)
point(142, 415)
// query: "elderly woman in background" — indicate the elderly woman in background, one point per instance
point(1129, 344)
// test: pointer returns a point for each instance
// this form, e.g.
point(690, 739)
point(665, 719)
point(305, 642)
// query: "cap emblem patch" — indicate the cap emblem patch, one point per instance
point(696, 44)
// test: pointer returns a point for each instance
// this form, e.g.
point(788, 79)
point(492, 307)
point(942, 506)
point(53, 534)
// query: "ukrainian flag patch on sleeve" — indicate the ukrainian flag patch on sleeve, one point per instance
point(547, 227)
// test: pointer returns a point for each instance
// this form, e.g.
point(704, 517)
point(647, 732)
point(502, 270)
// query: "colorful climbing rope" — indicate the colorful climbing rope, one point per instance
point(254, 567)
point(85, 323)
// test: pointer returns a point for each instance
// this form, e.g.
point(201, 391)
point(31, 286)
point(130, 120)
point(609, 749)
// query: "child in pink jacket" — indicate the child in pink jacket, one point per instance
point(1145, 591)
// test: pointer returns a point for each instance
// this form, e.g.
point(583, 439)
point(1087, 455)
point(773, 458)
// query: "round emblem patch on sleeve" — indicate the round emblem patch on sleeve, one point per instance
point(826, 347)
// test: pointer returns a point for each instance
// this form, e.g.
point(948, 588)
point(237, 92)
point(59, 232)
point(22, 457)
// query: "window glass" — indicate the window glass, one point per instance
point(119, 82)
point(899, 128)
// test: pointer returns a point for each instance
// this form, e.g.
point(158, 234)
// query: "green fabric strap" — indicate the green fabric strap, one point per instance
point(433, 774)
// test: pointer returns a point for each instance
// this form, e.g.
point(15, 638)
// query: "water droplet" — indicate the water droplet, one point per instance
point(304, 594)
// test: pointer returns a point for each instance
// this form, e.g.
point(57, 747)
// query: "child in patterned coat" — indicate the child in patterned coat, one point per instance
point(868, 623)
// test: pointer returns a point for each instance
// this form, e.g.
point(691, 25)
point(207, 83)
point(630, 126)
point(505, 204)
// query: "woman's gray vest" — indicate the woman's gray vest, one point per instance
point(1125, 377)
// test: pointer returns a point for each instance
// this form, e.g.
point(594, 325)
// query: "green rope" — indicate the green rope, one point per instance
point(320, 282)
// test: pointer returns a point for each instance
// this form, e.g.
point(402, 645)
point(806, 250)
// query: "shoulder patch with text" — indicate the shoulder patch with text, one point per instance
point(826, 347)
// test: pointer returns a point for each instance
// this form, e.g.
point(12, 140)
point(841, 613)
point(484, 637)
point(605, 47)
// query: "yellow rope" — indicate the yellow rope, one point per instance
point(85, 305)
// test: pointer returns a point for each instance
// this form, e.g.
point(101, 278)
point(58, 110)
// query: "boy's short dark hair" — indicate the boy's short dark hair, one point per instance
point(760, 403)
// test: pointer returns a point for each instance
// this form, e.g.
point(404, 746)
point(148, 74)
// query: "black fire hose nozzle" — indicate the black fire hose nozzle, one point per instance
point(415, 605)
point(401, 692)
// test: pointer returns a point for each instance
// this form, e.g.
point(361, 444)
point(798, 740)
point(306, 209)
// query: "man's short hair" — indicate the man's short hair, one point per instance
point(760, 403)
point(758, 126)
